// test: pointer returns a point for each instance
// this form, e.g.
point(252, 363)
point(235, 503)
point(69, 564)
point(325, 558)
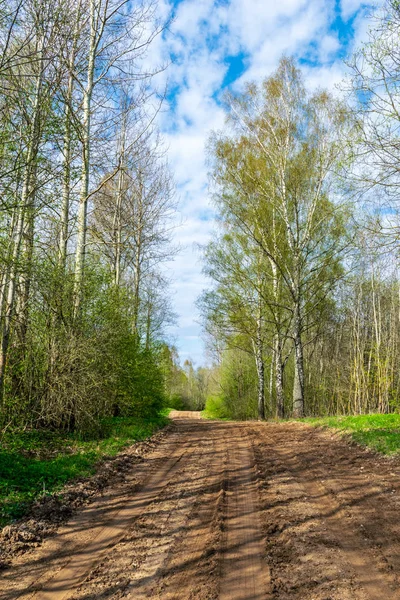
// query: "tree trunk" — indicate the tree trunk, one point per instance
point(118, 234)
point(280, 406)
point(138, 256)
point(26, 275)
point(298, 383)
point(260, 369)
point(84, 193)
point(148, 326)
point(118, 208)
point(63, 241)
point(10, 294)
point(260, 404)
point(136, 291)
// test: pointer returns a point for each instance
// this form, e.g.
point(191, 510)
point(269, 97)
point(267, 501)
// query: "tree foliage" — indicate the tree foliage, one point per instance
point(283, 226)
point(85, 221)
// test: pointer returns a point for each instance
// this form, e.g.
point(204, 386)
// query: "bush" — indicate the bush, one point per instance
point(216, 408)
point(176, 401)
point(70, 374)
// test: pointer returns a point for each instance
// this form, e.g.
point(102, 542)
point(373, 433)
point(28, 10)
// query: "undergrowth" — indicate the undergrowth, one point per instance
point(38, 462)
point(380, 432)
point(215, 409)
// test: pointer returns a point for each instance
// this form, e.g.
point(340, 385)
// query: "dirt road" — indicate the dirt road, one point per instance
point(230, 511)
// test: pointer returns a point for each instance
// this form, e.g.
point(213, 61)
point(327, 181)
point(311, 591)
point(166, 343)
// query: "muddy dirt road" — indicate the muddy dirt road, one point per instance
point(230, 511)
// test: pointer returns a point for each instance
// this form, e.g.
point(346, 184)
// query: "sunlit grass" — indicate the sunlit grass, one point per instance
point(380, 432)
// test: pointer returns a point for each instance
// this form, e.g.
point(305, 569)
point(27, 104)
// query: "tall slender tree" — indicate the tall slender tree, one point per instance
point(274, 176)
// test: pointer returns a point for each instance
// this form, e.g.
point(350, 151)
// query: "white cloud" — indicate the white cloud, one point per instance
point(327, 76)
point(329, 45)
point(350, 7)
point(253, 23)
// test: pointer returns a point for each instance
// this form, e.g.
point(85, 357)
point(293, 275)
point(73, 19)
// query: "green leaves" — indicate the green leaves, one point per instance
point(277, 259)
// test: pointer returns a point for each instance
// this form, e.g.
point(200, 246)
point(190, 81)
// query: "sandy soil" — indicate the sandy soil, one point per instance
point(229, 511)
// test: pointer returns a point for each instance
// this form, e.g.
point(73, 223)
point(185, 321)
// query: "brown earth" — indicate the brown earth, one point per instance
point(229, 511)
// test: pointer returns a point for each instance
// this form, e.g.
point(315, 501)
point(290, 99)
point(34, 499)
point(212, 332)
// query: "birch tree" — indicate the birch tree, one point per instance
point(235, 306)
point(277, 191)
point(32, 82)
point(72, 83)
point(118, 37)
point(133, 220)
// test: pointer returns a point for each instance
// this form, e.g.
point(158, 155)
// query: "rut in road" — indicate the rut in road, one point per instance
point(244, 572)
point(65, 560)
point(230, 511)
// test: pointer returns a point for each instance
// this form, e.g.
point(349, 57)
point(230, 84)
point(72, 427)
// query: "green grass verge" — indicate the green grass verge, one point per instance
point(37, 462)
point(380, 432)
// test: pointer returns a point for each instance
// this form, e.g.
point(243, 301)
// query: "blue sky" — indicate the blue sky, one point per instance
point(217, 44)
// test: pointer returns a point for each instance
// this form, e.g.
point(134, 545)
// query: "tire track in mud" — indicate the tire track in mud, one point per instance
point(192, 571)
point(230, 511)
point(220, 551)
point(358, 493)
point(245, 575)
point(139, 555)
point(314, 544)
point(173, 550)
point(152, 576)
point(190, 531)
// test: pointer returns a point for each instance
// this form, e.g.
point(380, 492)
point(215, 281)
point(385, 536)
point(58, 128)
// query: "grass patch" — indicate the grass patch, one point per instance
point(37, 462)
point(166, 411)
point(380, 432)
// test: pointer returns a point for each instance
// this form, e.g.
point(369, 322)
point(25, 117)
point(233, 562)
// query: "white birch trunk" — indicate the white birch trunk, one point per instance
point(84, 193)
point(260, 365)
point(298, 383)
point(64, 231)
point(118, 208)
point(280, 406)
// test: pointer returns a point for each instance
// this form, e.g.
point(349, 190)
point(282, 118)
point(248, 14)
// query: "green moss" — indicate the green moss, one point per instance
point(37, 462)
point(380, 432)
